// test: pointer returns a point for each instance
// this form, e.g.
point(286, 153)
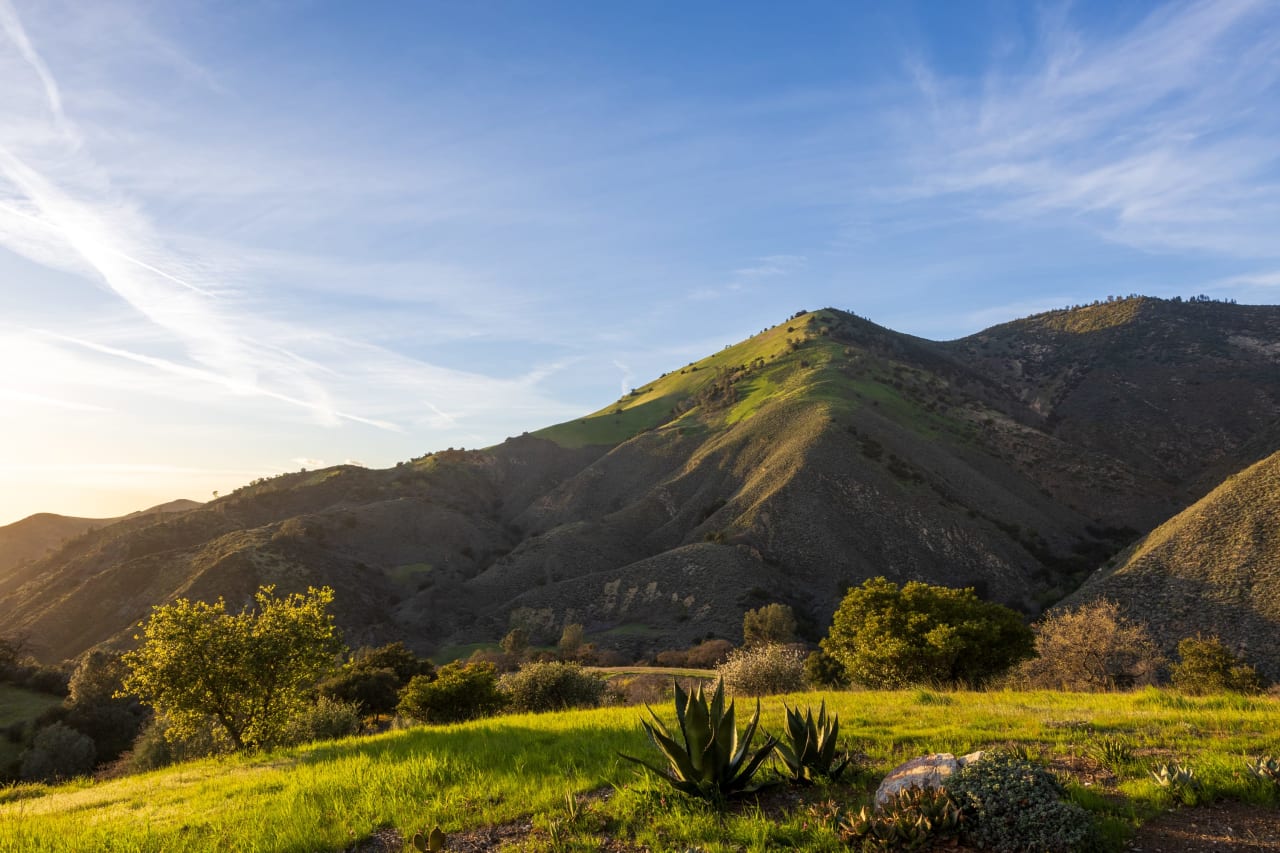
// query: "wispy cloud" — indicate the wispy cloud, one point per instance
point(1153, 138)
point(221, 317)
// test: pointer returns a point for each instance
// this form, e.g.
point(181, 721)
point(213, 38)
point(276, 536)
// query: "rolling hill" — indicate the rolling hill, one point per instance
point(1214, 568)
point(38, 535)
point(812, 455)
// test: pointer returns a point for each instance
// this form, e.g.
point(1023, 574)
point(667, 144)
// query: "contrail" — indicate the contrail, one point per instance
point(216, 379)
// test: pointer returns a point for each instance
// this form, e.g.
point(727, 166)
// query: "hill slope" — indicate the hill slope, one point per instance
point(37, 535)
point(817, 453)
point(1214, 568)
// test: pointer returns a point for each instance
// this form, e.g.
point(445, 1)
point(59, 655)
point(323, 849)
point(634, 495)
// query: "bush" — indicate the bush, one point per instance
point(325, 719)
point(1093, 647)
point(708, 654)
point(112, 726)
point(458, 692)
point(1012, 805)
point(552, 686)
point(773, 623)
point(46, 679)
point(822, 670)
point(888, 637)
point(370, 691)
point(58, 752)
point(160, 744)
point(1207, 666)
point(762, 670)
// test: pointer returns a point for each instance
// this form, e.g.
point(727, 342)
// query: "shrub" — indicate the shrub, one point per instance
point(1207, 666)
point(325, 719)
point(58, 752)
point(762, 670)
point(393, 656)
point(552, 686)
point(112, 726)
point(1012, 805)
point(889, 637)
point(1093, 647)
point(160, 744)
point(371, 691)
point(708, 654)
point(822, 670)
point(773, 623)
point(46, 679)
point(571, 640)
point(458, 692)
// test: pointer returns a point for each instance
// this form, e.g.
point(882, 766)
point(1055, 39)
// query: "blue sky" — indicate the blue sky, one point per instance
point(237, 239)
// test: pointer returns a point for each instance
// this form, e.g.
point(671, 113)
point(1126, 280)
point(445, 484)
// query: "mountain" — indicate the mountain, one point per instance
point(38, 535)
point(1214, 568)
point(817, 453)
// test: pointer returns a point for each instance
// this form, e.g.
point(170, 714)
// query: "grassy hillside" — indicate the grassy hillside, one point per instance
point(512, 774)
point(1213, 568)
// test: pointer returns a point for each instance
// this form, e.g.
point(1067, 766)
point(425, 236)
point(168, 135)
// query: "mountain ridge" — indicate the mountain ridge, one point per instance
point(816, 453)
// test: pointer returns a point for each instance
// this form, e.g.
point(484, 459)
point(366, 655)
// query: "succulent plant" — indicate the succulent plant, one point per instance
point(1112, 753)
point(431, 841)
point(914, 819)
point(1265, 769)
point(713, 762)
point(1179, 781)
point(809, 748)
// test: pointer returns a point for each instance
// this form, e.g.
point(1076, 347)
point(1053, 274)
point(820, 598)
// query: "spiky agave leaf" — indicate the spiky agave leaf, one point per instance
point(713, 762)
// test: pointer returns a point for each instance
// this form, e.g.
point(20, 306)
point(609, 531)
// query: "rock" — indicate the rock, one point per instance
point(927, 771)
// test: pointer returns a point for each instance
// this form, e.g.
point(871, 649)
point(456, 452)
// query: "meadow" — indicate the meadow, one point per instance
point(556, 781)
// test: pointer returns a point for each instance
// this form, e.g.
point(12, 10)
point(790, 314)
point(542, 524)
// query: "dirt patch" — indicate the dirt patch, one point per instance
point(1221, 828)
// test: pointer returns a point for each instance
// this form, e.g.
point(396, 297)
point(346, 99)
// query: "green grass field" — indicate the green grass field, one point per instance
point(493, 772)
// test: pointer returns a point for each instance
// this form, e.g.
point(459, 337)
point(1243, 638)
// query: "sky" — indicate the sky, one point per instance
point(242, 239)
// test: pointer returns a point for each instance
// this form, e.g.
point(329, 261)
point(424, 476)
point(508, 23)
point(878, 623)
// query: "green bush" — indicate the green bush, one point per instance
point(773, 623)
point(552, 686)
point(763, 670)
point(372, 691)
point(458, 692)
point(58, 752)
point(888, 637)
point(1207, 666)
point(1012, 805)
point(822, 670)
point(325, 719)
point(159, 744)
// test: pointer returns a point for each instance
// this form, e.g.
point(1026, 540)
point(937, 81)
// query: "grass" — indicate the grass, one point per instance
point(327, 796)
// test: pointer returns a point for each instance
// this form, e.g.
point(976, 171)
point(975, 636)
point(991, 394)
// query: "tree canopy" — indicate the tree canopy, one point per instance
point(890, 637)
point(246, 672)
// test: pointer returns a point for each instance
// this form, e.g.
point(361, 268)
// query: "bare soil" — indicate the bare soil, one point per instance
point(1220, 828)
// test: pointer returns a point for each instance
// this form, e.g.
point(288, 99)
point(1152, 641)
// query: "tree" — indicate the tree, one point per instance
point(58, 752)
point(773, 623)
point(246, 672)
point(571, 639)
point(1093, 647)
point(886, 637)
point(1207, 666)
point(516, 642)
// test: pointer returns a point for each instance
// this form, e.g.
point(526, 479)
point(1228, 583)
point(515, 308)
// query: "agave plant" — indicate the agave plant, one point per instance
point(809, 748)
point(713, 762)
point(1265, 769)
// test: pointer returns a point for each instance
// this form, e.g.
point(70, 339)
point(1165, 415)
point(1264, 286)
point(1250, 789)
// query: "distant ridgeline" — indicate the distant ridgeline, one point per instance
point(813, 455)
